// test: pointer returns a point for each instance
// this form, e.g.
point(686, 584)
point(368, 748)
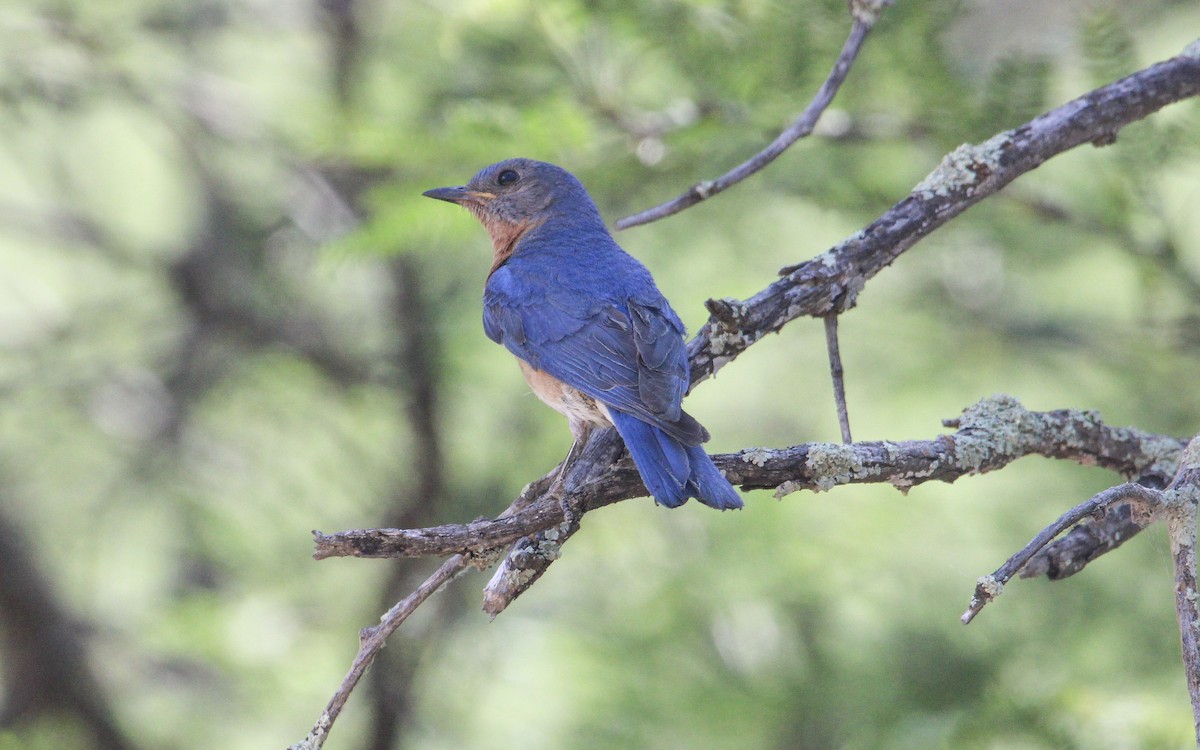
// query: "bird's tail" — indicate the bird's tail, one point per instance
point(672, 471)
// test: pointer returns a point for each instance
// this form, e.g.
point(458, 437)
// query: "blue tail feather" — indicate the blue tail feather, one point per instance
point(671, 471)
point(708, 485)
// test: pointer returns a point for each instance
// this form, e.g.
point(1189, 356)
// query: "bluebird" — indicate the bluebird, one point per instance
point(594, 337)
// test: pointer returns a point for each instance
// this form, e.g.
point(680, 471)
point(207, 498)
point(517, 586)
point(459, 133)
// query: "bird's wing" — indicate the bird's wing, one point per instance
point(628, 354)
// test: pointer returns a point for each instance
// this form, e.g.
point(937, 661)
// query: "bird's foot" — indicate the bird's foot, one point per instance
point(567, 502)
point(571, 510)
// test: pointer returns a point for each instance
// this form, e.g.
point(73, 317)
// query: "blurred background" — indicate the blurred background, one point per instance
point(227, 317)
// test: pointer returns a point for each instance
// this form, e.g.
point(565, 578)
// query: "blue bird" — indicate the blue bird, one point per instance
point(595, 338)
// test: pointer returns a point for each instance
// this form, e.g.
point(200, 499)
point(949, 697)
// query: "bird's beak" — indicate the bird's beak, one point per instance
point(451, 194)
point(459, 195)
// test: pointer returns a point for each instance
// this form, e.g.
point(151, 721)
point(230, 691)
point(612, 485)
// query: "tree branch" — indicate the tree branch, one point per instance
point(990, 435)
point(832, 281)
point(371, 640)
point(1088, 540)
point(1183, 496)
point(991, 586)
point(837, 374)
point(533, 554)
point(802, 127)
point(1178, 505)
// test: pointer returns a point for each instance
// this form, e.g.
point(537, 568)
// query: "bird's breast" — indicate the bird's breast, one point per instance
point(578, 407)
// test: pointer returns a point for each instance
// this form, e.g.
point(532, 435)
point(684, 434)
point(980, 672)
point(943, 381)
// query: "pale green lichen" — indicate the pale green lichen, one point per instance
point(548, 547)
point(907, 481)
point(829, 258)
point(964, 167)
point(891, 452)
point(985, 412)
point(725, 344)
point(1166, 454)
point(990, 586)
point(787, 488)
point(830, 464)
point(724, 340)
point(724, 337)
point(1190, 457)
point(1076, 433)
point(315, 737)
point(997, 425)
point(1185, 490)
point(757, 456)
point(868, 11)
point(892, 456)
point(516, 579)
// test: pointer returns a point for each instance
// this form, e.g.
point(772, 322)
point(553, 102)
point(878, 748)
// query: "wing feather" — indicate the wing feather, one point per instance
point(627, 353)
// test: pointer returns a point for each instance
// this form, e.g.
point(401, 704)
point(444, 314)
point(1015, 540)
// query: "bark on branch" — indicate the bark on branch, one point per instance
point(991, 434)
point(1177, 505)
point(832, 281)
point(1181, 500)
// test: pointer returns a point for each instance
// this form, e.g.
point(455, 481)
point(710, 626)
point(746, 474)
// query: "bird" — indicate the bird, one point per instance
point(594, 337)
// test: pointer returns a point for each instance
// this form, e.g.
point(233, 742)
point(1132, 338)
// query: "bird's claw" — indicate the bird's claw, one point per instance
point(570, 509)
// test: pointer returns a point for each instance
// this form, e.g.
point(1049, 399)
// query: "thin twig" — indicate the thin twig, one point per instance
point(991, 586)
point(838, 375)
point(391, 688)
point(802, 127)
point(1092, 538)
point(371, 640)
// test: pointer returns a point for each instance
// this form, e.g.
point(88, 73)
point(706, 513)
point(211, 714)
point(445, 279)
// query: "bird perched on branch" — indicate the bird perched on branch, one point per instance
point(594, 337)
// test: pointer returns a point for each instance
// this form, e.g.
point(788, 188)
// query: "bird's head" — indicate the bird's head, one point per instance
point(516, 195)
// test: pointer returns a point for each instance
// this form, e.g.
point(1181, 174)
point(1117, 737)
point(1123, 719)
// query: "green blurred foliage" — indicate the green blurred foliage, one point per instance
point(202, 207)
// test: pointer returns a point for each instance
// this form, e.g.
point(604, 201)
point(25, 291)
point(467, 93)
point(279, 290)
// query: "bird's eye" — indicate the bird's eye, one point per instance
point(507, 177)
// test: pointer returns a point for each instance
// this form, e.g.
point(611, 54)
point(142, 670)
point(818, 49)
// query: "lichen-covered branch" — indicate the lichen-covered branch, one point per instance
point(1090, 539)
point(832, 281)
point(533, 554)
point(1177, 504)
point(1183, 496)
point(989, 435)
point(991, 586)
